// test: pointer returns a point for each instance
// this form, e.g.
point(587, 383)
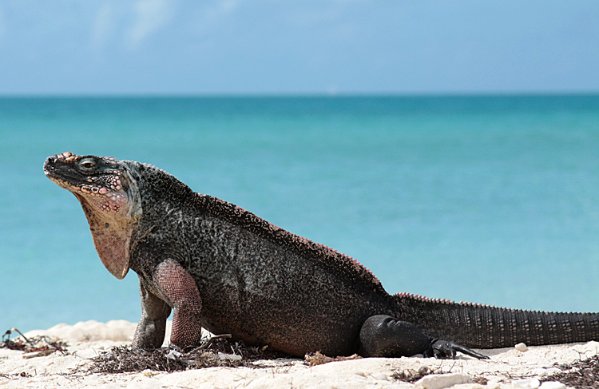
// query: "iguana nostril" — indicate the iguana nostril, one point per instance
point(49, 162)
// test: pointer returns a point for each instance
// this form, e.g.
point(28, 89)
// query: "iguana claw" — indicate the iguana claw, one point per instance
point(443, 349)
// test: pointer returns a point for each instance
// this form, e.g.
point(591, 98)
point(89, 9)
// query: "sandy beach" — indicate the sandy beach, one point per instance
point(507, 368)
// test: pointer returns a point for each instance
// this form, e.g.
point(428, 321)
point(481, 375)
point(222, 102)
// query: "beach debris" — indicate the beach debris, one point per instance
point(580, 374)
point(522, 347)
point(173, 354)
point(439, 377)
point(35, 346)
point(215, 351)
point(317, 358)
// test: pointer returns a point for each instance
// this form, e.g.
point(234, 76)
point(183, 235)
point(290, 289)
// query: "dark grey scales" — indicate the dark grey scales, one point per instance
point(227, 270)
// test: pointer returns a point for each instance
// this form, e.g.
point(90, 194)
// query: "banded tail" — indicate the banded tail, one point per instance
point(481, 326)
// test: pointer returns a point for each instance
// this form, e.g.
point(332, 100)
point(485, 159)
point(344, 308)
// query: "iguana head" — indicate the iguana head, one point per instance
point(109, 197)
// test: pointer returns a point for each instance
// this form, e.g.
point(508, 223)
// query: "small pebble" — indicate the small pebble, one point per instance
point(521, 347)
point(230, 357)
point(439, 381)
point(493, 384)
point(552, 385)
point(529, 383)
point(380, 376)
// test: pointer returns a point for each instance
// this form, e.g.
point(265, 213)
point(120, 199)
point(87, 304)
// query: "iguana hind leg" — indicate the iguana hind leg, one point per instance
point(177, 290)
point(385, 336)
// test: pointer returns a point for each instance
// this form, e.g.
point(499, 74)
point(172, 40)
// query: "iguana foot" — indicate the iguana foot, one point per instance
point(443, 349)
point(385, 336)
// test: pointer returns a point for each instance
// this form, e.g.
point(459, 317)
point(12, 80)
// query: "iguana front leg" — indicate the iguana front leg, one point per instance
point(177, 290)
point(150, 329)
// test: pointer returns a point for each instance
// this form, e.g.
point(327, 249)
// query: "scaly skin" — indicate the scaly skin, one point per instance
point(225, 269)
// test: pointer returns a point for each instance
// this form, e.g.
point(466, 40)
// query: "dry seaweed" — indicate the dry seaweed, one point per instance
point(317, 358)
point(36, 346)
point(581, 374)
point(218, 351)
point(411, 375)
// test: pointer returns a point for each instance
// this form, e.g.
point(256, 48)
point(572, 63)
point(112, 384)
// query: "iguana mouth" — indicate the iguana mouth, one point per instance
point(57, 173)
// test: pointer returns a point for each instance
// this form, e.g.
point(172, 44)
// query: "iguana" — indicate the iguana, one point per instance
point(223, 268)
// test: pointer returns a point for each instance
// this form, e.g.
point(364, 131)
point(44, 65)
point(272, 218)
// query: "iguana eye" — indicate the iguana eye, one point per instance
point(87, 164)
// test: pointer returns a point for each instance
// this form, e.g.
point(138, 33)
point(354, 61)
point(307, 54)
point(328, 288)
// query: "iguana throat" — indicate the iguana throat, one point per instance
point(110, 199)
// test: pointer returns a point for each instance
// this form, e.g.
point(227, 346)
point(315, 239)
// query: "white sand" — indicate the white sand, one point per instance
point(507, 368)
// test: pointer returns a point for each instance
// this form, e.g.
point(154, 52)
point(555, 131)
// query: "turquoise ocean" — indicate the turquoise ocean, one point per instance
point(493, 199)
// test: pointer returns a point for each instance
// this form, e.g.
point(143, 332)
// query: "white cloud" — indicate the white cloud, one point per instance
point(2, 24)
point(212, 13)
point(104, 24)
point(218, 9)
point(228, 6)
point(150, 16)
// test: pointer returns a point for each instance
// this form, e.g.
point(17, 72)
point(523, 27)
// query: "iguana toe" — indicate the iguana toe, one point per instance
point(443, 349)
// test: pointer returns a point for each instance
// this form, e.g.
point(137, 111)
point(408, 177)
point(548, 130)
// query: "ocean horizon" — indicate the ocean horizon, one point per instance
point(482, 198)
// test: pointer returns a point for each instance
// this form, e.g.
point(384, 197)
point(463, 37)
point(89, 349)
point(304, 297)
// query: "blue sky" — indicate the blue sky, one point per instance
point(323, 46)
